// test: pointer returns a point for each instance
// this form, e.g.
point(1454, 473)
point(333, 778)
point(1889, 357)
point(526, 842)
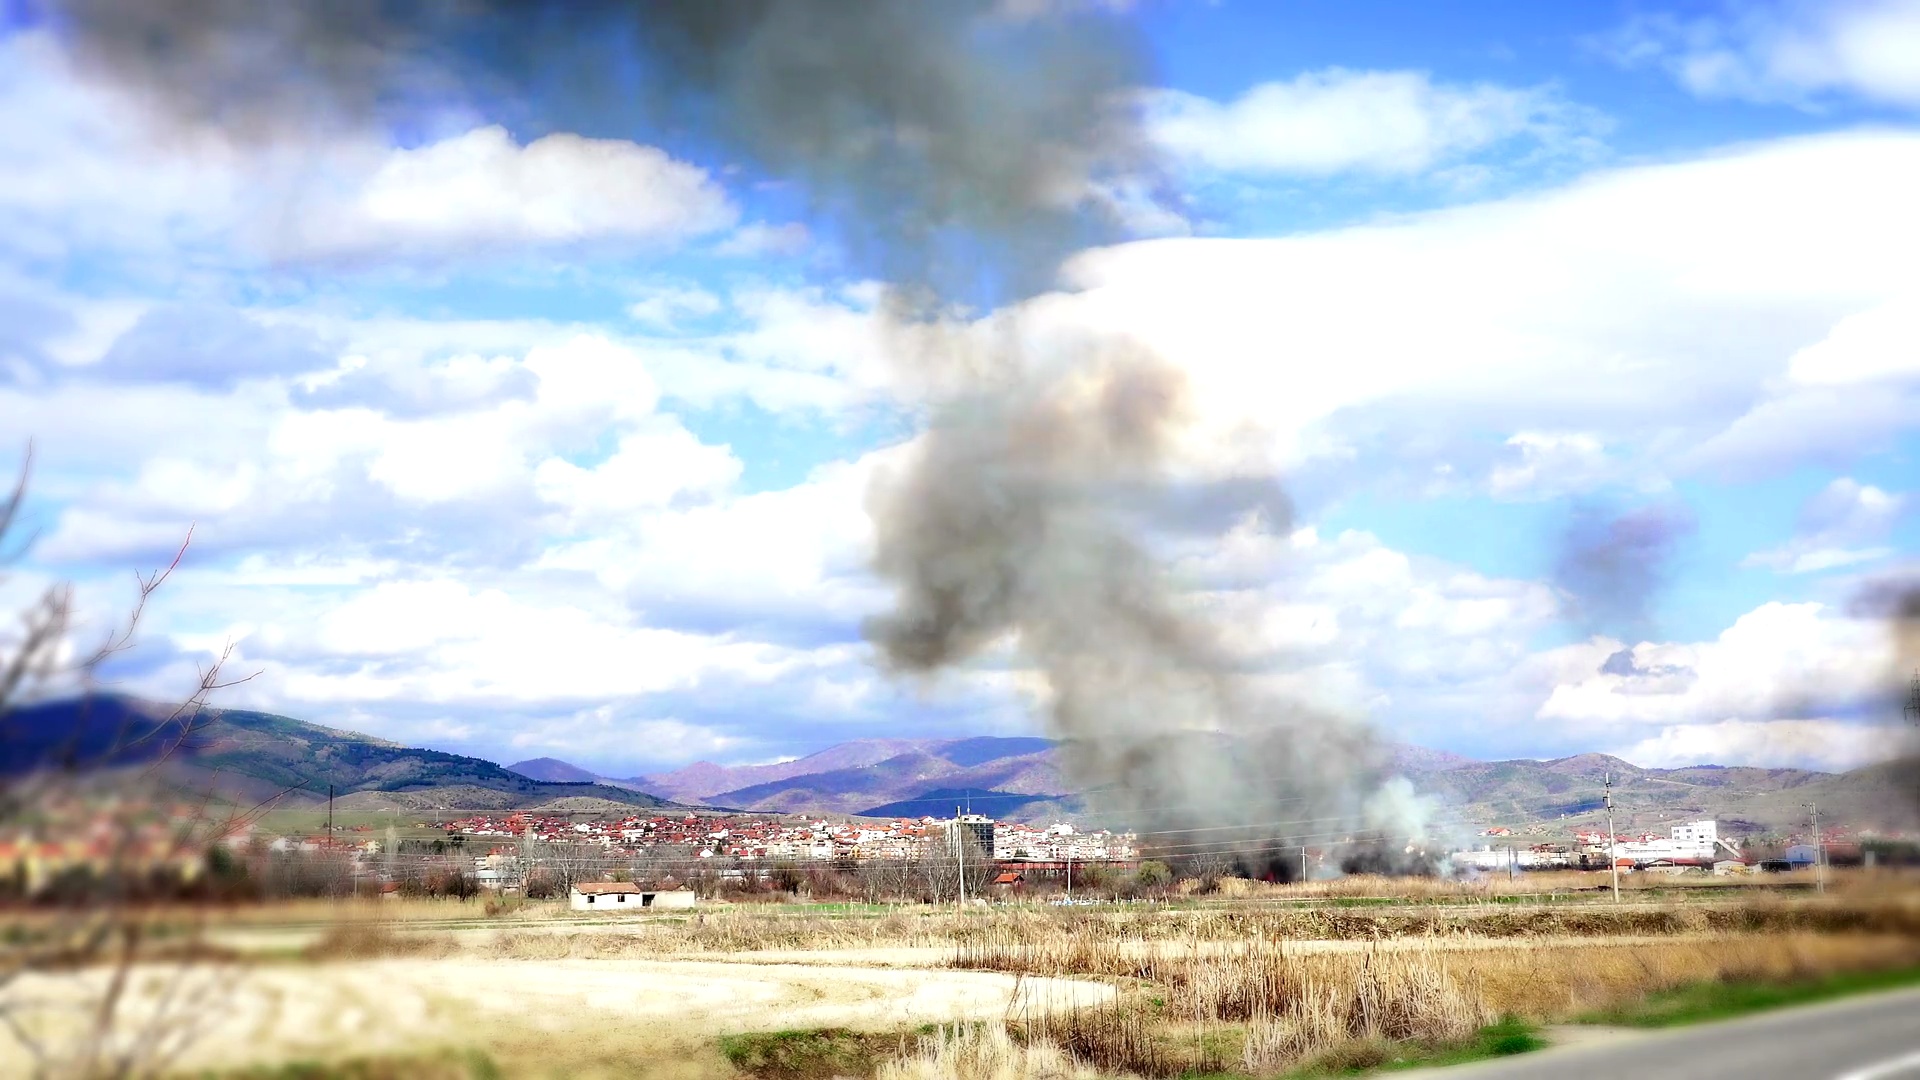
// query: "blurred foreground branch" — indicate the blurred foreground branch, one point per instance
point(96, 825)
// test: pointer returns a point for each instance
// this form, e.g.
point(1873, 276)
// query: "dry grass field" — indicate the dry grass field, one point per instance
point(1265, 983)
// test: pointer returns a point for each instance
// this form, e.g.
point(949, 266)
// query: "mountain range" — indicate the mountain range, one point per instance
point(864, 776)
point(242, 754)
point(257, 755)
point(1022, 778)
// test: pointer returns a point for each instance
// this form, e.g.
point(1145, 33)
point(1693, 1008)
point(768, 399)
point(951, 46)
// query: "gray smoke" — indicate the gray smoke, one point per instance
point(958, 149)
point(1896, 601)
point(1612, 566)
point(947, 143)
point(1027, 514)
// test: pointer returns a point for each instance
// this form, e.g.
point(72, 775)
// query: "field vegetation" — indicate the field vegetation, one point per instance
point(1267, 1006)
point(1275, 981)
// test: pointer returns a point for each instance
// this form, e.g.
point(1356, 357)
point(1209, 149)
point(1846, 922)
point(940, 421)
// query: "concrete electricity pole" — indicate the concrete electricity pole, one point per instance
point(1819, 850)
point(960, 854)
point(1613, 858)
point(1303, 862)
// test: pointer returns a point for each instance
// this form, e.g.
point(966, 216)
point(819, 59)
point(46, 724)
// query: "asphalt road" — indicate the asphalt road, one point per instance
point(1873, 1037)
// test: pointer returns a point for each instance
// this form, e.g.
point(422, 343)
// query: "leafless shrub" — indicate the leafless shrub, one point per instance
point(92, 992)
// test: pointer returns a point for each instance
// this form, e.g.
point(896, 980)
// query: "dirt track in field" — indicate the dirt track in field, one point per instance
point(633, 1011)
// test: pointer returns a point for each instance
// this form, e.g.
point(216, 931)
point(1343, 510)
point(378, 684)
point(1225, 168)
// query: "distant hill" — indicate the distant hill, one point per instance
point(253, 756)
point(1021, 779)
point(698, 781)
point(866, 772)
point(908, 776)
point(553, 770)
point(249, 753)
point(941, 802)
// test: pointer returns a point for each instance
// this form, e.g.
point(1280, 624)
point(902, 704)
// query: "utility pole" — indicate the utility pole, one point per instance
point(1613, 859)
point(960, 854)
point(1819, 850)
point(1912, 710)
point(1069, 877)
point(329, 812)
point(1303, 863)
point(1511, 872)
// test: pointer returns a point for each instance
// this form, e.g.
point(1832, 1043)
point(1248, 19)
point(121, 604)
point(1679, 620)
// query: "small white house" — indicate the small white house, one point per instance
point(621, 896)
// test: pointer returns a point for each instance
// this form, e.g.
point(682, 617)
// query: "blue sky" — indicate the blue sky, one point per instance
point(524, 443)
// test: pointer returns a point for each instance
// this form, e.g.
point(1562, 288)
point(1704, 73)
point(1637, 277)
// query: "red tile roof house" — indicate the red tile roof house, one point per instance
point(623, 896)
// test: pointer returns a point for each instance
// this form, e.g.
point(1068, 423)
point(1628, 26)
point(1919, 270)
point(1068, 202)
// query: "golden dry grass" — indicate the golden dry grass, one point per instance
point(1262, 1007)
point(1107, 939)
point(985, 1052)
point(1251, 986)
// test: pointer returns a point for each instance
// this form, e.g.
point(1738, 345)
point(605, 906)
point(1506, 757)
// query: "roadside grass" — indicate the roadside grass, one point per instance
point(1503, 1038)
point(1723, 1000)
point(1262, 1008)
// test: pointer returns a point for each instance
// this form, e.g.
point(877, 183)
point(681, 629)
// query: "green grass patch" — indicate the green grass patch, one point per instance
point(813, 1054)
point(1720, 1000)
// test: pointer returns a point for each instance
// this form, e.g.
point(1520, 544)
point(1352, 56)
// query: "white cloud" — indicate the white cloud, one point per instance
point(648, 470)
point(1651, 308)
point(797, 554)
point(482, 190)
point(759, 239)
point(366, 474)
point(667, 305)
point(1845, 523)
point(1784, 52)
point(1334, 121)
point(1545, 464)
point(478, 645)
point(1778, 659)
point(1827, 745)
point(202, 204)
point(1880, 343)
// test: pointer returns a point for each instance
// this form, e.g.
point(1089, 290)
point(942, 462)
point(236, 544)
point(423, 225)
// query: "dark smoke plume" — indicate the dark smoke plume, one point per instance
point(1896, 601)
point(948, 143)
point(1612, 566)
point(1018, 519)
point(959, 151)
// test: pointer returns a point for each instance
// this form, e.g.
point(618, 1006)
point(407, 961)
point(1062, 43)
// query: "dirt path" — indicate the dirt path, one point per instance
point(604, 1009)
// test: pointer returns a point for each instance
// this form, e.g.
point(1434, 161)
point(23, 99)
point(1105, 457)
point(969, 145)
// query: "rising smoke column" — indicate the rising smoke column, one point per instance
point(1023, 514)
point(1895, 602)
point(958, 149)
point(1612, 566)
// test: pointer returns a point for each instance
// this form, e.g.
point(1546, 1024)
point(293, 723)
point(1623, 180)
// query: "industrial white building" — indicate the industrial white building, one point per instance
point(1696, 843)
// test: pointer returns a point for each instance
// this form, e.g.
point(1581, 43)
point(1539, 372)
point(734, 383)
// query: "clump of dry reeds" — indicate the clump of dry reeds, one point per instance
point(1265, 1006)
point(357, 939)
point(1390, 999)
point(1256, 1007)
point(985, 1052)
